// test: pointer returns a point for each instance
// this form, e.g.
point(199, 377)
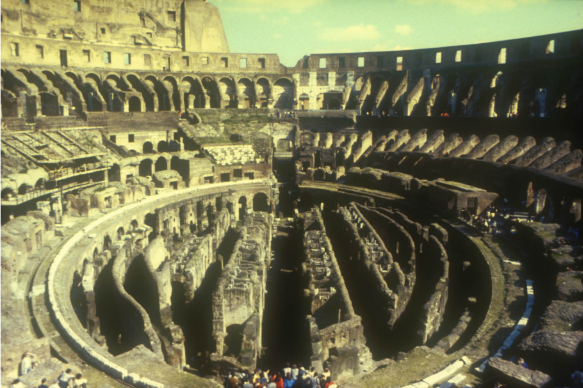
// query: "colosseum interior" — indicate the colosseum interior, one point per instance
point(164, 226)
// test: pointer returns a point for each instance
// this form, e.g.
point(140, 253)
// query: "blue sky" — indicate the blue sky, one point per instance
point(294, 28)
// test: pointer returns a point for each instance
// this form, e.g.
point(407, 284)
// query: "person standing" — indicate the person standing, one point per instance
point(43, 384)
point(294, 372)
point(289, 381)
point(25, 364)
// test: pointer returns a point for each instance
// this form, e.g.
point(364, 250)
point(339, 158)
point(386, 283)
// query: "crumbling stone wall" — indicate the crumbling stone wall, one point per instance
point(239, 297)
point(336, 331)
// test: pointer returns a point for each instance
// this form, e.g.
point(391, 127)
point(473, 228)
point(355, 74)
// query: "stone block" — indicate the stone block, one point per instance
point(515, 375)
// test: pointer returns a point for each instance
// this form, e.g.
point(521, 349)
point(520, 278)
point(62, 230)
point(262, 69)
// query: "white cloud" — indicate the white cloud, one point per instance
point(403, 29)
point(263, 6)
point(477, 6)
point(277, 35)
point(357, 32)
point(317, 24)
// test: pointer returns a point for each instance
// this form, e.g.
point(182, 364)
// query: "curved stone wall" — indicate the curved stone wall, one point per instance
point(81, 244)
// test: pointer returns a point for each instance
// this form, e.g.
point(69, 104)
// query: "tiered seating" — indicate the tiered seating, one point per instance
point(47, 146)
point(225, 155)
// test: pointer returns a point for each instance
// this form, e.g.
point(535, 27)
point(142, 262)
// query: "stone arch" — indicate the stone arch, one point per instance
point(262, 92)
point(40, 184)
point(24, 188)
point(465, 93)
point(7, 192)
point(283, 94)
point(145, 168)
point(161, 164)
point(135, 104)
point(510, 93)
point(93, 92)
point(193, 93)
point(49, 104)
point(120, 233)
point(114, 173)
point(246, 91)
point(139, 86)
point(162, 146)
point(228, 94)
point(161, 94)
point(173, 92)
point(148, 147)
point(212, 91)
point(260, 202)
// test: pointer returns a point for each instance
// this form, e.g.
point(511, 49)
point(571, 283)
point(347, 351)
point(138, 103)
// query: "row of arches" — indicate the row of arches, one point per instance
point(515, 92)
point(49, 91)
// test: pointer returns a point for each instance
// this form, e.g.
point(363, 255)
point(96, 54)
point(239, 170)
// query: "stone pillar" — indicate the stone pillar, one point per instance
point(575, 210)
point(539, 201)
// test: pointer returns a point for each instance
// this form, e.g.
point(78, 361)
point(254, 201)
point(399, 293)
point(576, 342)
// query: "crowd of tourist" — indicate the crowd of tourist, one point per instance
point(67, 379)
point(294, 376)
point(285, 114)
point(493, 220)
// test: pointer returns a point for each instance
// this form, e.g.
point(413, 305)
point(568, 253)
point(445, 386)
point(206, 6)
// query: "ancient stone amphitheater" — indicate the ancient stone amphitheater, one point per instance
point(163, 226)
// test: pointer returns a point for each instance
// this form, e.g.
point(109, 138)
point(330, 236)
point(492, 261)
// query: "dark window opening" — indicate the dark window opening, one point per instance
point(342, 62)
point(102, 31)
point(186, 61)
point(77, 5)
point(224, 62)
point(172, 16)
point(225, 177)
point(64, 61)
point(262, 63)
point(112, 138)
point(87, 55)
point(131, 138)
point(41, 51)
point(238, 173)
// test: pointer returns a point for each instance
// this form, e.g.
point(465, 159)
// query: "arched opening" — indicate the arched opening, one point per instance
point(283, 94)
point(333, 104)
point(7, 192)
point(148, 148)
point(142, 286)
point(173, 93)
point(193, 93)
point(114, 173)
point(146, 167)
point(162, 146)
point(246, 90)
point(111, 323)
point(262, 91)
point(161, 164)
point(139, 86)
point(135, 104)
point(227, 89)
point(212, 92)
point(49, 104)
point(120, 233)
point(24, 188)
point(242, 208)
point(260, 203)
point(40, 184)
